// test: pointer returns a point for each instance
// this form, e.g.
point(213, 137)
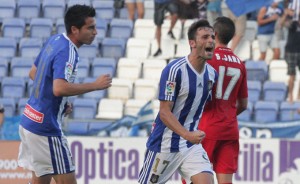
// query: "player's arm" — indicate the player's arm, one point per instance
point(61, 87)
point(32, 72)
point(242, 104)
point(172, 123)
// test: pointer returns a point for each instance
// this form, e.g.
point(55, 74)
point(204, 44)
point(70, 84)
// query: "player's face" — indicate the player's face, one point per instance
point(205, 42)
point(87, 32)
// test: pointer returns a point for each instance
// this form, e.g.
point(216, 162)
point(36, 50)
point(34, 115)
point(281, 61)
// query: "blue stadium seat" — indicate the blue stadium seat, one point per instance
point(73, 2)
point(289, 111)
point(121, 28)
point(41, 28)
point(102, 27)
point(13, 87)
point(84, 108)
point(96, 127)
point(247, 114)
point(21, 105)
point(89, 51)
point(20, 67)
point(83, 69)
point(266, 111)
point(257, 70)
point(76, 127)
point(13, 27)
point(53, 9)
point(101, 66)
point(60, 25)
point(7, 9)
point(9, 106)
point(28, 9)
point(3, 67)
point(113, 47)
point(30, 47)
point(274, 91)
point(104, 9)
point(254, 90)
point(8, 47)
point(29, 88)
point(98, 94)
point(123, 13)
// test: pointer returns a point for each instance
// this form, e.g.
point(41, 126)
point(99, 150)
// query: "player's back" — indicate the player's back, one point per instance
point(220, 113)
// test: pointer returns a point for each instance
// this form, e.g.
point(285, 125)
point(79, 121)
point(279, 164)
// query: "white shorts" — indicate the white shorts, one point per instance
point(159, 167)
point(265, 40)
point(44, 155)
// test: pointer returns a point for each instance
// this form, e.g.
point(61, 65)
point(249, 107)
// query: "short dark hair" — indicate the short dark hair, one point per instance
point(225, 29)
point(76, 15)
point(194, 27)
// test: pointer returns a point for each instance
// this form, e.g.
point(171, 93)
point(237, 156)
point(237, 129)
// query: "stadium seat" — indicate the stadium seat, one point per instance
point(7, 9)
point(53, 9)
point(165, 27)
point(257, 70)
point(145, 89)
point(111, 109)
point(84, 108)
point(133, 106)
point(167, 47)
point(149, 9)
point(289, 111)
point(28, 9)
point(3, 67)
point(14, 28)
point(21, 105)
point(20, 67)
point(247, 114)
point(41, 28)
point(89, 51)
point(9, 105)
point(74, 2)
point(30, 47)
point(278, 71)
point(101, 66)
point(182, 48)
point(137, 48)
point(120, 28)
point(77, 127)
point(113, 47)
point(144, 29)
point(129, 69)
point(96, 126)
point(13, 87)
point(251, 30)
point(120, 89)
point(102, 27)
point(123, 13)
point(243, 49)
point(98, 94)
point(104, 9)
point(186, 27)
point(266, 111)
point(29, 88)
point(274, 91)
point(152, 68)
point(83, 69)
point(8, 47)
point(254, 90)
point(60, 26)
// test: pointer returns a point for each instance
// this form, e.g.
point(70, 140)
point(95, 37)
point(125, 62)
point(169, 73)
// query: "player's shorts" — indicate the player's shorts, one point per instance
point(44, 155)
point(223, 154)
point(159, 167)
point(293, 61)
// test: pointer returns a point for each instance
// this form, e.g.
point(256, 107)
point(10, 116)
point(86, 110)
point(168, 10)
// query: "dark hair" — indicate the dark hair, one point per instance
point(194, 27)
point(225, 29)
point(76, 15)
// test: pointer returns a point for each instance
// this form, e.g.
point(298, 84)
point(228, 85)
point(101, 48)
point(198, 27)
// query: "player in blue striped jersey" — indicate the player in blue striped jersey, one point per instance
point(185, 86)
point(44, 149)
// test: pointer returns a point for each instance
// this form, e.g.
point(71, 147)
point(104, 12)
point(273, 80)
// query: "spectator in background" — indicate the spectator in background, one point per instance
point(1, 118)
point(291, 20)
point(133, 6)
point(240, 25)
point(213, 10)
point(160, 7)
point(266, 20)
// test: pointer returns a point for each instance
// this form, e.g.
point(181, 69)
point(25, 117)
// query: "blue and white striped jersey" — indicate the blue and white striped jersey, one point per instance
point(43, 112)
point(189, 91)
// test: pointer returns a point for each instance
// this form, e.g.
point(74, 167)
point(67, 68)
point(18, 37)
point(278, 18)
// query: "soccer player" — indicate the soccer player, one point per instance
point(185, 86)
point(229, 99)
point(44, 149)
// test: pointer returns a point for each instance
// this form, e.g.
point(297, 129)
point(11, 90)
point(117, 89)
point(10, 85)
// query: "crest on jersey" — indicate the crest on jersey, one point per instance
point(68, 70)
point(154, 178)
point(209, 85)
point(170, 88)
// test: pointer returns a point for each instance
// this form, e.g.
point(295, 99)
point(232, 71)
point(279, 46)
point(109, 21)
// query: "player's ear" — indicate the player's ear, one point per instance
point(192, 43)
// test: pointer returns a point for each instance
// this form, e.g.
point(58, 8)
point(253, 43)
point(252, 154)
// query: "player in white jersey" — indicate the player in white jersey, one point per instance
point(185, 86)
point(44, 149)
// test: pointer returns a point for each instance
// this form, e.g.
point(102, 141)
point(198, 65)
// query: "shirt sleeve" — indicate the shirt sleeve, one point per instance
point(63, 65)
point(169, 85)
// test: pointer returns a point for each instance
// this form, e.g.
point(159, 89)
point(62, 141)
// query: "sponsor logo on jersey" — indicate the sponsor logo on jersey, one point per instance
point(33, 114)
